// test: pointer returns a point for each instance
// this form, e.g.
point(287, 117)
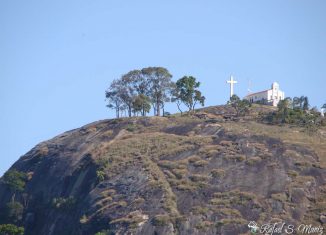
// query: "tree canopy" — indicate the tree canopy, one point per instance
point(15, 180)
point(137, 91)
point(159, 83)
point(186, 91)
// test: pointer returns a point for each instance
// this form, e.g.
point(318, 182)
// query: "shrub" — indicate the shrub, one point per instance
point(14, 211)
point(293, 173)
point(204, 225)
point(64, 203)
point(11, 229)
point(108, 192)
point(101, 233)
point(100, 175)
point(102, 162)
point(105, 232)
point(83, 219)
point(303, 164)
point(122, 203)
point(131, 127)
point(138, 201)
point(282, 197)
point(218, 173)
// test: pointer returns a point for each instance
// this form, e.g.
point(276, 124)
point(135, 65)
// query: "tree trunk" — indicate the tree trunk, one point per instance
point(193, 106)
point(129, 111)
point(117, 112)
point(158, 110)
point(178, 104)
point(154, 108)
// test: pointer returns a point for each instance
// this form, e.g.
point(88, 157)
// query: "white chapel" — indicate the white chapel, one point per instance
point(270, 97)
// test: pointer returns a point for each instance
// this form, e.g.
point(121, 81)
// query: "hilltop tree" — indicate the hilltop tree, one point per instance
point(112, 95)
point(140, 86)
point(305, 103)
point(135, 88)
point(159, 84)
point(284, 107)
point(301, 102)
point(296, 103)
point(186, 91)
point(127, 92)
point(175, 96)
point(121, 95)
point(241, 106)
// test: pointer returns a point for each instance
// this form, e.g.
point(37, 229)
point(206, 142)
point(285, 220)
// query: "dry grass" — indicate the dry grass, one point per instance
point(193, 159)
point(234, 221)
point(229, 212)
point(180, 173)
point(253, 161)
point(282, 197)
point(234, 157)
point(199, 178)
point(288, 134)
point(161, 220)
point(204, 225)
point(133, 219)
point(199, 210)
point(232, 197)
point(200, 163)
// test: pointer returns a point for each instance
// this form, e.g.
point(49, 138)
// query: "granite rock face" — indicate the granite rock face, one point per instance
point(205, 174)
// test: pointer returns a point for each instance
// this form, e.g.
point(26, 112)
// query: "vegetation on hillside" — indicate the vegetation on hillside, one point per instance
point(15, 181)
point(11, 229)
point(297, 111)
point(157, 175)
point(241, 106)
point(12, 211)
point(212, 171)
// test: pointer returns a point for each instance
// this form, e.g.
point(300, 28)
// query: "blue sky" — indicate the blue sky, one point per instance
point(58, 57)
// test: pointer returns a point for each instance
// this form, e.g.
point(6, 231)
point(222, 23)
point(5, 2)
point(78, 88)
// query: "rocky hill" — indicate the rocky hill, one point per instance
point(210, 173)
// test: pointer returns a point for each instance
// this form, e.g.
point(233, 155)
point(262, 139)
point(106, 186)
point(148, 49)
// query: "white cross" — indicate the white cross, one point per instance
point(231, 81)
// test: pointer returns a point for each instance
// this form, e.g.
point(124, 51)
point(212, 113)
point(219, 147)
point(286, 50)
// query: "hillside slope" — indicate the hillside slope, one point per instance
point(207, 174)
